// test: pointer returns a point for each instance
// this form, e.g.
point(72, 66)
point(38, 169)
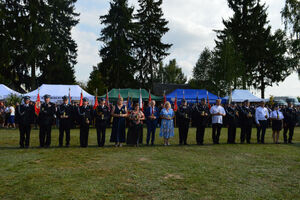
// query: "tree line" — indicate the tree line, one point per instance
point(247, 54)
point(37, 47)
point(36, 42)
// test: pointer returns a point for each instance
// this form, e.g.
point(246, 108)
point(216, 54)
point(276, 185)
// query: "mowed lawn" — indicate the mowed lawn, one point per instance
point(175, 172)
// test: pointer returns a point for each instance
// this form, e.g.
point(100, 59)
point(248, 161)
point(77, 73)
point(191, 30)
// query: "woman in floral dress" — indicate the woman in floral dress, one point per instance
point(167, 125)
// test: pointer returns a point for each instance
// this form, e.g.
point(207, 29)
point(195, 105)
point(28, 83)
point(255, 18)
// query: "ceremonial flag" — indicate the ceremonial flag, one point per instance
point(209, 106)
point(107, 98)
point(129, 104)
point(96, 101)
point(141, 100)
point(230, 97)
point(150, 99)
point(81, 99)
point(70, 96)
point(37, 106)
point(165, 98)
point(175, 104)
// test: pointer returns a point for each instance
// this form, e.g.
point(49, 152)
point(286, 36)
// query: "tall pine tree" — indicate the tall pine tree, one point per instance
point(31, 33)
point(251, 36)
point(150, 50)
point(118, 64)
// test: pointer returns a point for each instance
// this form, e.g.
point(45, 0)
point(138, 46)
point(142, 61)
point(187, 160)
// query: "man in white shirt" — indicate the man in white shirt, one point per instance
point(217, 113)
point(261, 117)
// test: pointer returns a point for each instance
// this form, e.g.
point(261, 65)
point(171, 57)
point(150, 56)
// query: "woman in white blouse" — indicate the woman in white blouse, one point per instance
point(277, 120)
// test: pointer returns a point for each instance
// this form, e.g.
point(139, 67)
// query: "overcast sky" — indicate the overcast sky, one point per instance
point(191, 24)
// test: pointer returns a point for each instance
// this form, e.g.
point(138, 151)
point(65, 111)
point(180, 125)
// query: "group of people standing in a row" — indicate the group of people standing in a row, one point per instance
point(200, 114)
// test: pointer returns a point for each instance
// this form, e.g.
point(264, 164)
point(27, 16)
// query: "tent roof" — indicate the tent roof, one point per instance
point(242, 95)
point(132, 93)
point(58, 91)
point(191, 95)
point(5, 91)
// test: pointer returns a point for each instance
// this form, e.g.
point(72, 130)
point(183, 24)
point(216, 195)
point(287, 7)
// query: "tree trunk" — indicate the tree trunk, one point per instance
point(33, 78)
point(262, 88)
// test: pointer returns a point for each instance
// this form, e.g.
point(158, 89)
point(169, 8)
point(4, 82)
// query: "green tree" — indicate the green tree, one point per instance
point(249, 40)
point(173, 73)
point(37, 45)
point(291, 16)
point(61, 48)
point(95, 82)
point(118, 64)
point(150, 50)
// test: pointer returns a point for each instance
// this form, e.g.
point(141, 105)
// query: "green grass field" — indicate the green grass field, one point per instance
point(175, 172)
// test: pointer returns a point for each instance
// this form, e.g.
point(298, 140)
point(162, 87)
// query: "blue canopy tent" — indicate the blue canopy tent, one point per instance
point(191, 95)
point(242, 95)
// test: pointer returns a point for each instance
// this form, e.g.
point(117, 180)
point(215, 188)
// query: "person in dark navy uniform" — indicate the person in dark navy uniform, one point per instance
point(231, 121)
point(102, 115)
point(201, 117)
point(85, 117)
point(25, 118)
point(152, 117)
point(65, 115)
point(183, 121)
point(247, 114)
point(45, 121)
point(289, 122)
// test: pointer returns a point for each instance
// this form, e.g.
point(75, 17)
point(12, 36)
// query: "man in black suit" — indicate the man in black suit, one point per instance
point(247, 114)
point(289, 122)
point(45, 121)
point(65, 115)
point(25, 118)
point(85, 117)
point(183, 121)
point(201, 117)
point(102, 116)
point(231, 122)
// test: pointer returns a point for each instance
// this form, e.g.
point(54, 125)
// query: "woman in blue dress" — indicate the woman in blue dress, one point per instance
point(167, 125)
point(119, 113)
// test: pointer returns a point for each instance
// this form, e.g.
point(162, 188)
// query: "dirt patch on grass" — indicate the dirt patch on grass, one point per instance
point(144, 159)
point(173, 176)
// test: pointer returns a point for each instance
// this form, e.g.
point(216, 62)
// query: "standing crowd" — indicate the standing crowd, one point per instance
point(200, 115)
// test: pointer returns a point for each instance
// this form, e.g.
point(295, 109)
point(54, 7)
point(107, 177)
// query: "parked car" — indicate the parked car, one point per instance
point(286, 99)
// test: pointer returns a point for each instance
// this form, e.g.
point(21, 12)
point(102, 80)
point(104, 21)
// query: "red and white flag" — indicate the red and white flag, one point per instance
point(81, 99)
point(175, 104)
point(141, 101)
point(37, 106)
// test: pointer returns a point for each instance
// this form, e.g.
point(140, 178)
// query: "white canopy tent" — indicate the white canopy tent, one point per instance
point(242, 95)
point(58, 91)
point(6, 91)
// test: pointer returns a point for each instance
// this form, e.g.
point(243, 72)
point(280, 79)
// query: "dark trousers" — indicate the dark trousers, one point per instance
point(289, 129)
point(200, 134)
point(216, 132)
point(151, 128)
point(84, 135)
point(101, 129)
point(231, 134)
point(183, 133)
point(24, 135)
point(246, 131)
point(62, 130)
point(261, 131)
point(45, 135)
